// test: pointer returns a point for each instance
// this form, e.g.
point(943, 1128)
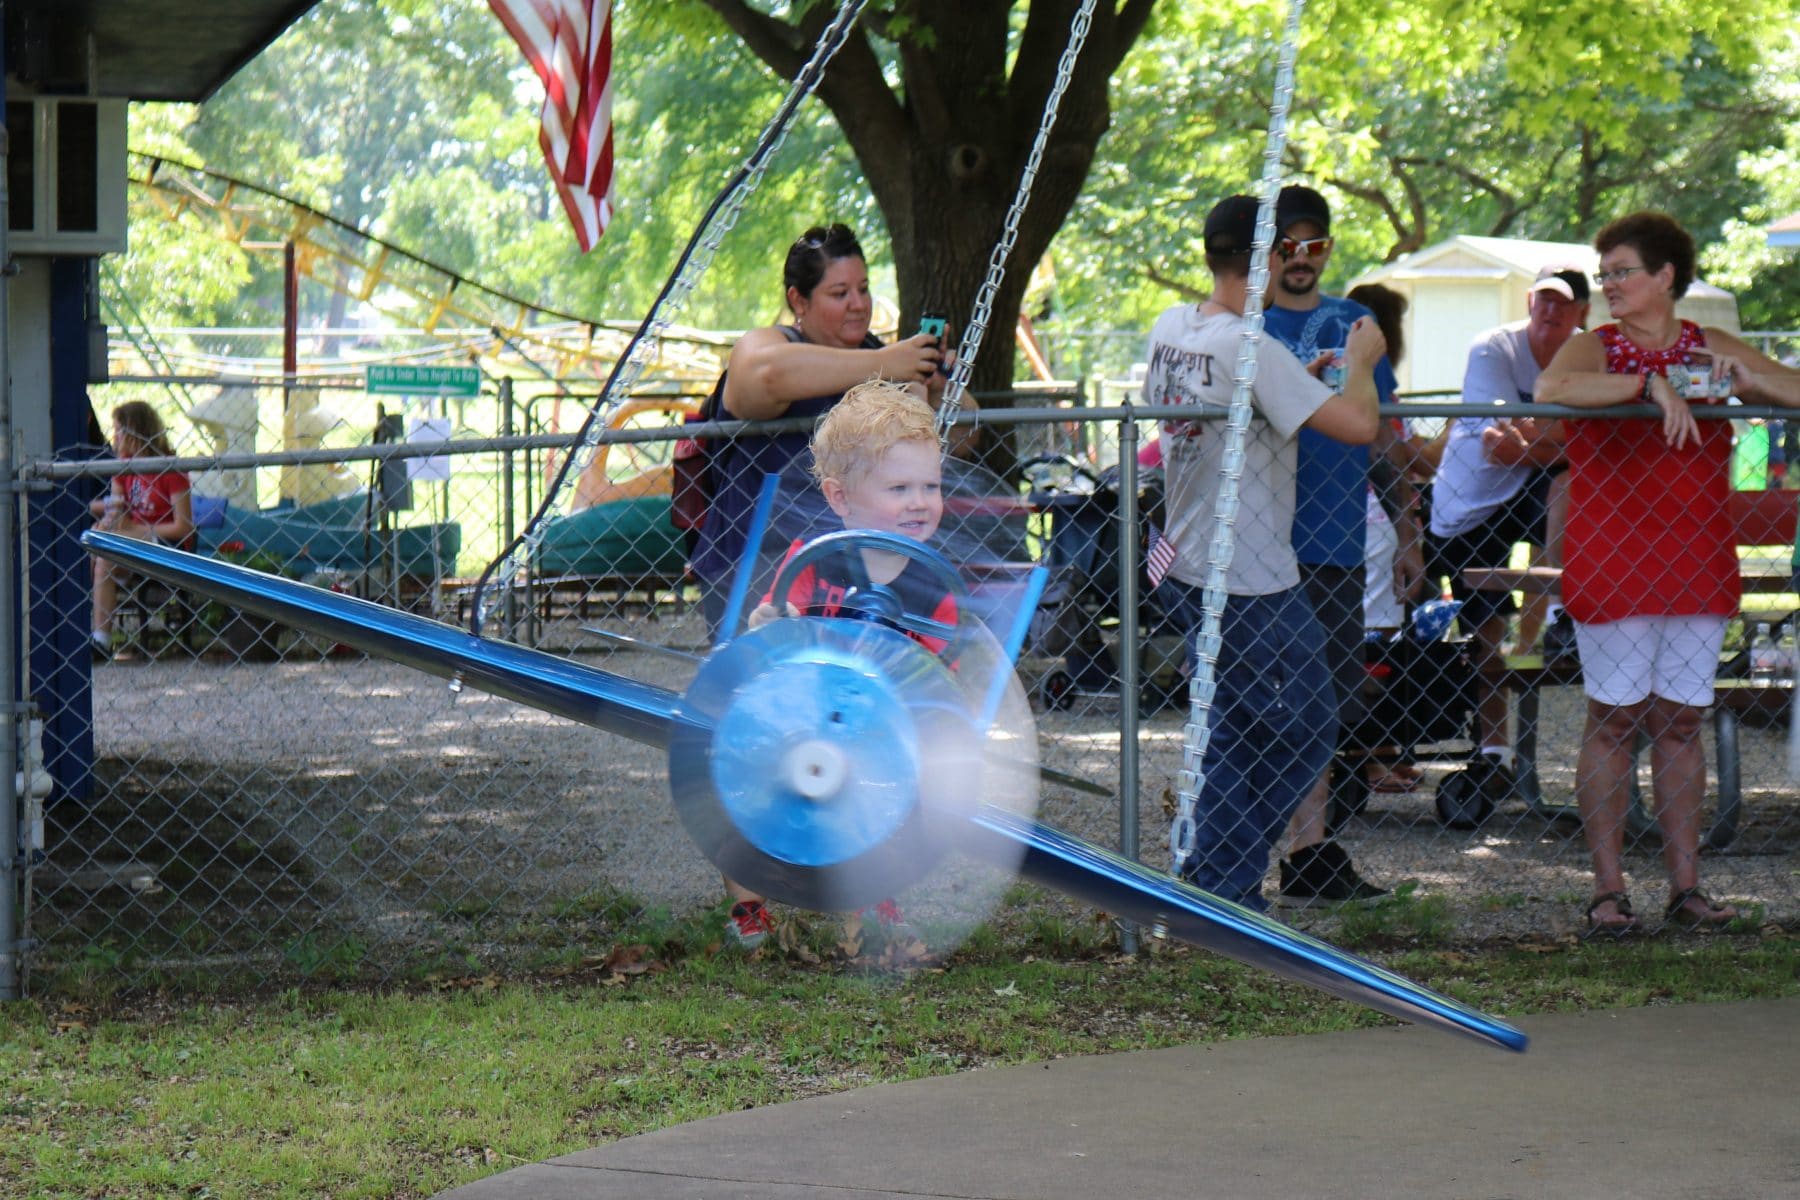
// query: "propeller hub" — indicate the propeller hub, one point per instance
point(815, 768)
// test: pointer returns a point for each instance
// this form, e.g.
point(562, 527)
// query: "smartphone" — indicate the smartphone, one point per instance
point(933, 323)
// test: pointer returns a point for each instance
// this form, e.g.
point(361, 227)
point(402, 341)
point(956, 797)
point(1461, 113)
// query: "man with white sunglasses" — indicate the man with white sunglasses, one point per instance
point(1330, 519)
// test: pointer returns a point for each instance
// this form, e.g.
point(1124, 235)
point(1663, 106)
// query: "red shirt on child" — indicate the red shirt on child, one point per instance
point(819, 590)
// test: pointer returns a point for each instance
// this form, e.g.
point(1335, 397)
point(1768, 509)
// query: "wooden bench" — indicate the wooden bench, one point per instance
point(1524, 676)
point(153, 617)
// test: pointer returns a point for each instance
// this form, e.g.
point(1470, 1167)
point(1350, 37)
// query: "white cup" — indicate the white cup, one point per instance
point(1691, 382)
point(1694, 380)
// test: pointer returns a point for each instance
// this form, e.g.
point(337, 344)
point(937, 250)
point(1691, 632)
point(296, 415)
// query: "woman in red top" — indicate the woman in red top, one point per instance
point(156, 508)
point(1650, 569)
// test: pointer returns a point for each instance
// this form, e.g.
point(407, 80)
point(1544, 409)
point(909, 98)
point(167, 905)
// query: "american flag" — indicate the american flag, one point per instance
point(1159, 556)
point(569, 44)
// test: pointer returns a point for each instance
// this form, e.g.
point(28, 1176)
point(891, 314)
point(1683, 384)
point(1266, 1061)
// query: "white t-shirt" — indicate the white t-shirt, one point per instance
point(1192, 359)
point(1469, 486)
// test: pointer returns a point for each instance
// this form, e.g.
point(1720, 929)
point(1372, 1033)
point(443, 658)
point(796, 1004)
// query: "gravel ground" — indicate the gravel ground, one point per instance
point(405, 809)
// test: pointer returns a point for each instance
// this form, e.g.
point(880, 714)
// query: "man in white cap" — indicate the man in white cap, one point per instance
point(1491, 490)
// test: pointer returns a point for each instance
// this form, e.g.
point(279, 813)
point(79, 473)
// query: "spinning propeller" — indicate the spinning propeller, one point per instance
point(829, 761)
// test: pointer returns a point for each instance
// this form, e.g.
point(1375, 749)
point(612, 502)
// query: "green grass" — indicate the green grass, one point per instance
point(1401, 916)
point(406, 1094)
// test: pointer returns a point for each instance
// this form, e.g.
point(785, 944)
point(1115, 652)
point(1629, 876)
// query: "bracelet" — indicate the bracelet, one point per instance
point(1644, 392)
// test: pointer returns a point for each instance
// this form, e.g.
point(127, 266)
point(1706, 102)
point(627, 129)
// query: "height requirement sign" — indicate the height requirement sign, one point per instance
point(439, 382)
point(463, 382)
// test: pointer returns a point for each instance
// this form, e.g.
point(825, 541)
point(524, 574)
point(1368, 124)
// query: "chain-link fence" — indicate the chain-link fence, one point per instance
point(205, 796)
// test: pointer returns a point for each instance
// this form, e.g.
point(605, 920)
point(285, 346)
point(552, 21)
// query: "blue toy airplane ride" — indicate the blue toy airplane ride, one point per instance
point(830, 762)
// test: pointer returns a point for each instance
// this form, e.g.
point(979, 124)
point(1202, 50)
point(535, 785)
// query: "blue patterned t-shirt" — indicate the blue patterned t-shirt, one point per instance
point(1329, 503)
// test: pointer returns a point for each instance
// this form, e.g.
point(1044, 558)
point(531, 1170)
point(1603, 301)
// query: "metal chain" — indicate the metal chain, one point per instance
point(1202, 688)
point(990, 287)
point(647, 345)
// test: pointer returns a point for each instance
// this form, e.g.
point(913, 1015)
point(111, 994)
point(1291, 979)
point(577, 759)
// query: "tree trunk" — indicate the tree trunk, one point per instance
point(945, 155)
point(955, 202)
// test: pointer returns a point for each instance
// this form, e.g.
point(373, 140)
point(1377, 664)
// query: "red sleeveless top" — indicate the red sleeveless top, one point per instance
point(1649, 533)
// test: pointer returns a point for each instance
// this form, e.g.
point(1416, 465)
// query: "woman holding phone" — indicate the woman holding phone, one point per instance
point(799, 369)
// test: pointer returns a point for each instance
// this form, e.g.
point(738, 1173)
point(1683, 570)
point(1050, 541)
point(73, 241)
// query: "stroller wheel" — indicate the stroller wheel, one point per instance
point(1056, 691)
point(1462, 801)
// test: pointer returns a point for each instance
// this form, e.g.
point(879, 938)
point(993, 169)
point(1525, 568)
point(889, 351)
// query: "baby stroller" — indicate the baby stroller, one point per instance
point(1077, 623)
point(1418, 690)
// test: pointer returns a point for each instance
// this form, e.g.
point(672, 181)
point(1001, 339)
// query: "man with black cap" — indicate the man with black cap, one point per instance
point(1492, 490)
point(1330, 520)
point(1274, 716)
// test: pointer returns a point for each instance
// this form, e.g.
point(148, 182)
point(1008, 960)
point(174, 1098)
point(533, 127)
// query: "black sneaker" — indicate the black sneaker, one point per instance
point(1559, 640)
point(1323, 874)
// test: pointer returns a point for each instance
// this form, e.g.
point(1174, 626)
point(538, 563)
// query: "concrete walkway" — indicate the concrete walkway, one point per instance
point(1693, 1101)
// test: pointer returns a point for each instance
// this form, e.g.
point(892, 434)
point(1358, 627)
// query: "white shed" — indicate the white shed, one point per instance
point(1464, 285)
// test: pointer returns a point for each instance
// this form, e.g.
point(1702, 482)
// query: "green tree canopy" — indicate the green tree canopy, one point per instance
point(418, 121)
point(1416, 141)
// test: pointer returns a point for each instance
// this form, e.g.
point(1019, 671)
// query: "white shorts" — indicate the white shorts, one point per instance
point(1632, 659)
point(1382, 608)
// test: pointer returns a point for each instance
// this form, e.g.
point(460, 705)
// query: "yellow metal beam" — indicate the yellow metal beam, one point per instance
point(409, 289)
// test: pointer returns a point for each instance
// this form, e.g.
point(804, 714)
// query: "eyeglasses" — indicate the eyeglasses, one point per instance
point(1289, 247)
point(1616, 275)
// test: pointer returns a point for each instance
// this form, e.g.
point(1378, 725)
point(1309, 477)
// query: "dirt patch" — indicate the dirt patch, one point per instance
point(355, 816)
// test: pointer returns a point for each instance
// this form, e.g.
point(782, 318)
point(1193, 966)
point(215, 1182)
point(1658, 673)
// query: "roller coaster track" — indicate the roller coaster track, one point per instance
point(411, 291)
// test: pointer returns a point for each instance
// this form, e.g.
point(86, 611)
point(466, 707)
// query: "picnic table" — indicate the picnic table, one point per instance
point(1524, 676)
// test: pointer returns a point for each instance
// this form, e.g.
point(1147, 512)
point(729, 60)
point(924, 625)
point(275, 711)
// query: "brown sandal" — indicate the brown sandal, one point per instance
point(1712, 916)
point(1626, 922)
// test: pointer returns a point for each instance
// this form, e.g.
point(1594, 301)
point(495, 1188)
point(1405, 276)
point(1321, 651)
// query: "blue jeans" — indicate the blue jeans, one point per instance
point(1274, 728)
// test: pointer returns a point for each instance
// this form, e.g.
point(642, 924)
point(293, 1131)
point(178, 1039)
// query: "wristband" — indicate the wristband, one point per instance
point(1644, 392)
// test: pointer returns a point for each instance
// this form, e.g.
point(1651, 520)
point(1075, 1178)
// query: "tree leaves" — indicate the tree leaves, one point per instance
point(1499, 117)
point(418, 120)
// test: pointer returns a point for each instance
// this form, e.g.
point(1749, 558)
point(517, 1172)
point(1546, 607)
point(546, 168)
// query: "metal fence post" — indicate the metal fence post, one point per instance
point(10, 663)
point(1128, 655)
point(509, 605)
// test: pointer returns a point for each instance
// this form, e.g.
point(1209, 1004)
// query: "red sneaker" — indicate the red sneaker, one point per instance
point(748, 924)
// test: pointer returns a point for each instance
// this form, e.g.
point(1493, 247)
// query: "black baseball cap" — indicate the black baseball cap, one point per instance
point(1297, 203)
point(1566, 282)
point(1231, 226)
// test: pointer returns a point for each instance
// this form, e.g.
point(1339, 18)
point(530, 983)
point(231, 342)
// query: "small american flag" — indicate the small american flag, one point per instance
point(569, 44)
point(1159, 556)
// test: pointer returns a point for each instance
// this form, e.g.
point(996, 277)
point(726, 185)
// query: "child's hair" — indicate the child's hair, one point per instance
point(872, 418)
point(137, 418)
